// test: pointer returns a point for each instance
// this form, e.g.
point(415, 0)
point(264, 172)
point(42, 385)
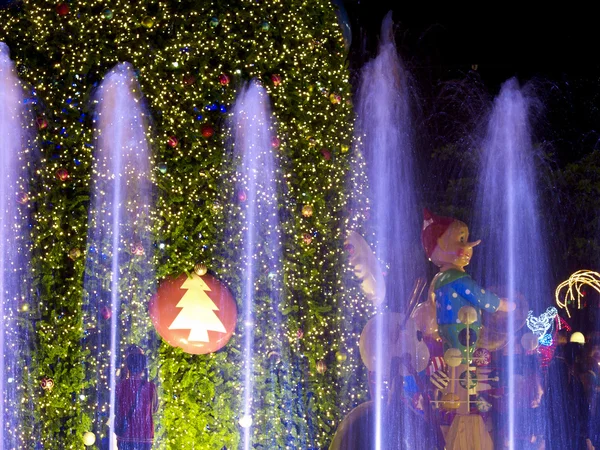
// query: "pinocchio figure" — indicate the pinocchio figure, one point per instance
point(446, 242)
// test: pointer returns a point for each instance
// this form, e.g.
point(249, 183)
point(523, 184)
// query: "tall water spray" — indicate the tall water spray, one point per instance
point(119, 271)
point(513, 255)
point(384, 130)
point(257, 183)
point(15, 338)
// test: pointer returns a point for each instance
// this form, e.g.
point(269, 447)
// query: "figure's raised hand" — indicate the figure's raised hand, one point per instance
point(506, 305)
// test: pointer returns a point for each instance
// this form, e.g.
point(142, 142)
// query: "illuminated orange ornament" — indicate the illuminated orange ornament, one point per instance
point(307, 210)
point(196, 314)
point(74, 253)
point(200, 269)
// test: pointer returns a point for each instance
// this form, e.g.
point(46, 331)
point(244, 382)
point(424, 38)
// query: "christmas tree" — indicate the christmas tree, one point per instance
point(190, 58)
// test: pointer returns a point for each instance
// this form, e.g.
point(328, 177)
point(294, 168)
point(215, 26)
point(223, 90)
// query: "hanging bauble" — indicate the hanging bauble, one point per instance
point(189, 79)
point(105, 312)
point(326, 154)
point(207, 130)
point(349, 248)
point(47, 383)
point(162, 168)
point(335, 98)
point(306, 238)
point(345, 148)
point(214, 22)
point(321, 366)
point(62, 9)
point(107, 13)
point(197, 314)
point(137, 249)
point(312, 141)
point(200, 269)
point(74, 253)
point(275, 142)
point(241, 195)
point(89, 438)
point(42, 123)
point(307, 210)
point(300, 333)
point(22, 198)
point(265, 26)
point(62, 174)
point(276, 79)
point(147, 22)
point(172, 141)
point(224, 79)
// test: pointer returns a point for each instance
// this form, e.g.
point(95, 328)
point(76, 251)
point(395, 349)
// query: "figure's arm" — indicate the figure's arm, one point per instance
point(478, 296)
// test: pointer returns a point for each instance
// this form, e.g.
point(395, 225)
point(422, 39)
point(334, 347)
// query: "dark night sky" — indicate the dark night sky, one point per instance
point(557, 50)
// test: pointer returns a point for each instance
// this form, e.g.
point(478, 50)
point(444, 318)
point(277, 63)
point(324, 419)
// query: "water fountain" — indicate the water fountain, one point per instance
point(384, 135)
point(119, 272)
point(15, 333)
point(257, 185)
point(513, 257)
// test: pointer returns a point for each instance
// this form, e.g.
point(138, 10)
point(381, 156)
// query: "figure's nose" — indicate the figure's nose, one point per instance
point(473, 244)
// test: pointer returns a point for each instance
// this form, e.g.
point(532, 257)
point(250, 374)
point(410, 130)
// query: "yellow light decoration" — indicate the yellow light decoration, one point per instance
point(571, 290)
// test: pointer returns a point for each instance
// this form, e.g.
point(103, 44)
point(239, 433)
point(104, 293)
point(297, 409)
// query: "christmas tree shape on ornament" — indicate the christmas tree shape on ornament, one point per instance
point(197, 311)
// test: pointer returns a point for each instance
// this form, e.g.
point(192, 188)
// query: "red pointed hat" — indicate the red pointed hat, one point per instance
point(433, 228)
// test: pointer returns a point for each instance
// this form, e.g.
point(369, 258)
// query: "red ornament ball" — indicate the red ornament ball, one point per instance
point(326, 154)
point(172, 141)
point(42, 123)
point(207, 130)
point(189, 79)
point(105, 312)
point(62, 174)
point(275, 142)
point(47, 383)
point(62, 9)
point(224, 79)
point(197, 314)
point(276, 79)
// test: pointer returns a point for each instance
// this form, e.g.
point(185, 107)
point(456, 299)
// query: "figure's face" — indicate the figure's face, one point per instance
point(453, 246)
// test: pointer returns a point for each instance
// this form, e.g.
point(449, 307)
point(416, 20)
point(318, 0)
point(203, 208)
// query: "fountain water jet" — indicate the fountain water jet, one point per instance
point(15, 340)
point(119, 271)
point(513, 255)
point(257, 192)
point(384, 131)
